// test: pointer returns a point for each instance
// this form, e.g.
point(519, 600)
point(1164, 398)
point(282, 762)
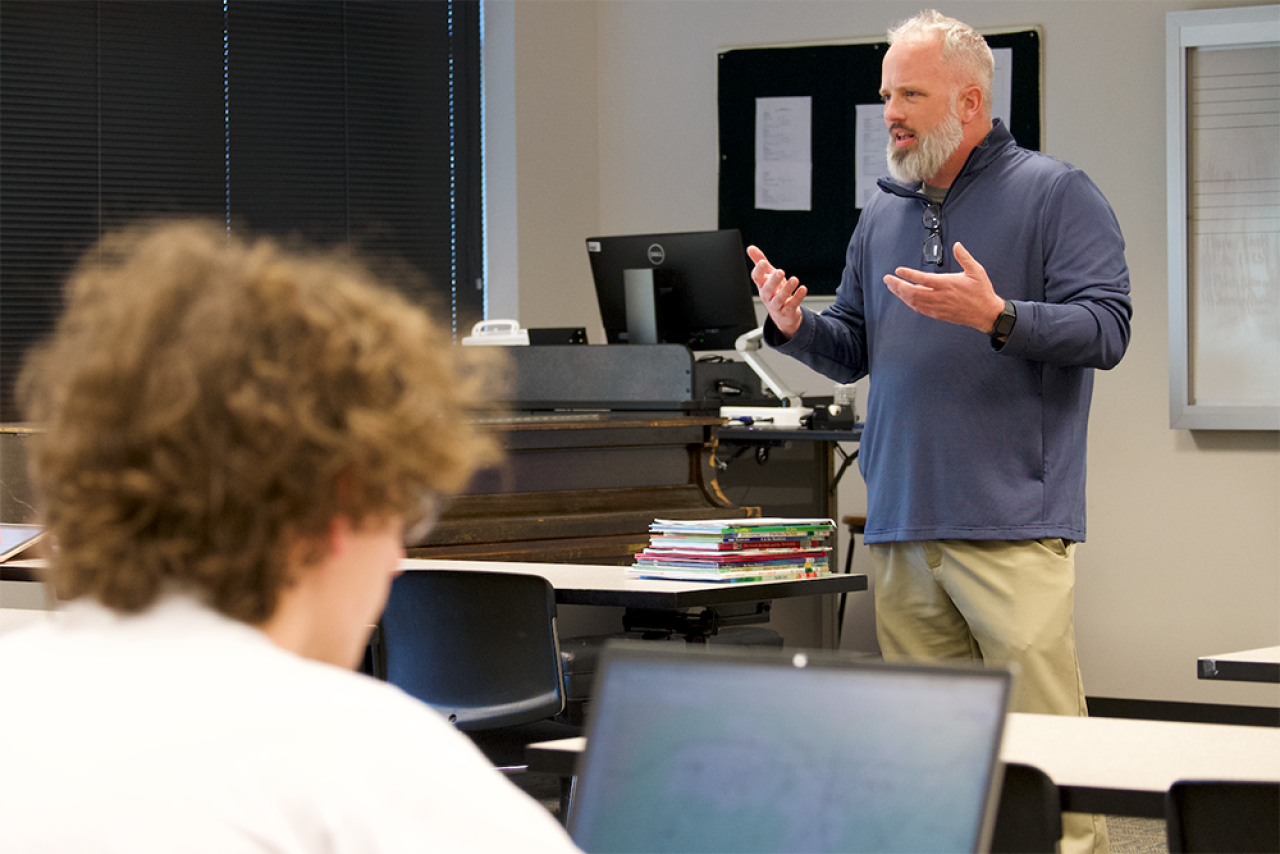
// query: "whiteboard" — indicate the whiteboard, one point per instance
point(1224, 218)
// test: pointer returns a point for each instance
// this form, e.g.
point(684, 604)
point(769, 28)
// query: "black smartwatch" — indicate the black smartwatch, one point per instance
point(1004, 322)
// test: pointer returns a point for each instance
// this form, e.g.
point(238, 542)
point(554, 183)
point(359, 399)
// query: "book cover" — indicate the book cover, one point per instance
point(777, 574)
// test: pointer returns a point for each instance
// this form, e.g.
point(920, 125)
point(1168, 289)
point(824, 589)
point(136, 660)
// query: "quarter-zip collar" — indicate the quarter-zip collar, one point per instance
point(975, 164)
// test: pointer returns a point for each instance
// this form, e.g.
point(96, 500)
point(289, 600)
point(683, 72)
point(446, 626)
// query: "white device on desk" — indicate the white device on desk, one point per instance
point(790, 411)
point(497, 333)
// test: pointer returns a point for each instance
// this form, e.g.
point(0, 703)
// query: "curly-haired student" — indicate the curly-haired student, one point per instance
point(234, 439)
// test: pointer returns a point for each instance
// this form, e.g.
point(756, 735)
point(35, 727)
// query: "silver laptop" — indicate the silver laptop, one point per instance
point(717, 749)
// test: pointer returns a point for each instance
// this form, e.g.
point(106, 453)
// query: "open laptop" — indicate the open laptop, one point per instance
point(736, 750)
point(15, 539)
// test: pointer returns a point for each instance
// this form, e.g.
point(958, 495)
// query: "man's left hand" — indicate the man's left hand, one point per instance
point(966, 298)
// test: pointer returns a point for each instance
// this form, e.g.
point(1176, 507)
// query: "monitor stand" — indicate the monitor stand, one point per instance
point(642, 306)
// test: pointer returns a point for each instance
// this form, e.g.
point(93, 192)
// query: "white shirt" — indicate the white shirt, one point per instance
point(180, 730)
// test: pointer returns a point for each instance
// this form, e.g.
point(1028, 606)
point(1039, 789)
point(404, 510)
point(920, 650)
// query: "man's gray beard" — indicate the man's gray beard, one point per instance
point(932, 150)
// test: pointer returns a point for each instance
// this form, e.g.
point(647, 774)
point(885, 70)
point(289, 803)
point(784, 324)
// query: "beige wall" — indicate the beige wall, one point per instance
point(614, 131)
point(542, 158)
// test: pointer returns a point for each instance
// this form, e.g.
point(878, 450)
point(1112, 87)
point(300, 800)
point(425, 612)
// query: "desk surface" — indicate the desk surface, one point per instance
point(577, 584)
point(739, 433)
point(1252, 665)
point(611, 585)
point(21, 569)
point(1125, 766)
point(1106, 765)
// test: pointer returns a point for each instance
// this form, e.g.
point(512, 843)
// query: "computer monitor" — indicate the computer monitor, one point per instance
point(691, 288)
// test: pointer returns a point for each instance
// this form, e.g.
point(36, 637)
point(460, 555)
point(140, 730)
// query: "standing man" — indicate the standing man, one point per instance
point(982, 287)
point(235, 439)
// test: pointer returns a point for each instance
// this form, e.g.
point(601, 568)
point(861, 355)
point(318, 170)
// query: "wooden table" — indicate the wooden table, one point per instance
point(1253, 665)
point(1106, 765)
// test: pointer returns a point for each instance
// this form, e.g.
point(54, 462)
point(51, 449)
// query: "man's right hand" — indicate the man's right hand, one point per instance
point(781, 296)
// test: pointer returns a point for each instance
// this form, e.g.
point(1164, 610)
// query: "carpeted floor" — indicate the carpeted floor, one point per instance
point(1129, 835)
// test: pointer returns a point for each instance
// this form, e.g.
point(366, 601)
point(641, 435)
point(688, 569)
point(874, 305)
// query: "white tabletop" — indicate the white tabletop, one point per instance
point(581, 584)
point(1251, 665)
point(1107, 765)
point(1265, 655)
point(586, 584)
point(1125, 766)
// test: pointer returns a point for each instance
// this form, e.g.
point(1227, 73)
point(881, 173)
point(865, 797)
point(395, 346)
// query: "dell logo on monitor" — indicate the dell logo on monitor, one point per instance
point(657, 254)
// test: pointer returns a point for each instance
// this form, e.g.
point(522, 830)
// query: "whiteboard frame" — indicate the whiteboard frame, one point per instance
point(1242, 27)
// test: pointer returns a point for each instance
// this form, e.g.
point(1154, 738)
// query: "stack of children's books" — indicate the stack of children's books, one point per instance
point(727, 550)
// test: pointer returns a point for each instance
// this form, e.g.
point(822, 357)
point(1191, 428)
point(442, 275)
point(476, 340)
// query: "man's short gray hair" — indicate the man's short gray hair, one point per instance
point(962, 47)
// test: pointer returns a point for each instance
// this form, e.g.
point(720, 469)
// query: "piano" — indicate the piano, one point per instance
point(583, 488)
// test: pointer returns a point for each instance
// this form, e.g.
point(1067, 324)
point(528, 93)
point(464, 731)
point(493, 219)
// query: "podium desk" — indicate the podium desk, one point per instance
point(1253, 665)
point(788, 472)
point(1114, 766)
point(791, 472)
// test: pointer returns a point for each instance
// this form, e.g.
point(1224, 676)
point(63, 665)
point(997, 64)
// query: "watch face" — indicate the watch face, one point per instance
point(1006, 320)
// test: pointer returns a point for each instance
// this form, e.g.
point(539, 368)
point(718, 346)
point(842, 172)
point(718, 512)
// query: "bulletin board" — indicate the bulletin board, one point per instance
point(836, 78)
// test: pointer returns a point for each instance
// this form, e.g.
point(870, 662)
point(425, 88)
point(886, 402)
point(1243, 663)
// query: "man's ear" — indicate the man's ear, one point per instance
point(969, 104)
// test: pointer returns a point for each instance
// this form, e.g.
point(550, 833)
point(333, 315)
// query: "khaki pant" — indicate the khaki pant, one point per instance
point(1002, 603)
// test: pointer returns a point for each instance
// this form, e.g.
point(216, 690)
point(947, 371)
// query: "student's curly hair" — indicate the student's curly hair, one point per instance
point(206, 400)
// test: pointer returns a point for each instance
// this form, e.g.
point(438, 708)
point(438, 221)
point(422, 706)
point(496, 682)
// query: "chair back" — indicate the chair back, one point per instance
point(1221, 816)
point(479, 646)
point(1029, 819)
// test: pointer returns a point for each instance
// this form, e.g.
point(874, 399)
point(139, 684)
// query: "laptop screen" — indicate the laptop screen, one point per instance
point(722, 750)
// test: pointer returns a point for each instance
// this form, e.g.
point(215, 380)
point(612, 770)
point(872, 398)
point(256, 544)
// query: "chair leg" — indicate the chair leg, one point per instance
point(568, 785)
point(855, 525)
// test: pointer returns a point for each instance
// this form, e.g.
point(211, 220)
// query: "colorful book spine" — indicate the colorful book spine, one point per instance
point(726, 577)
point(735, 550)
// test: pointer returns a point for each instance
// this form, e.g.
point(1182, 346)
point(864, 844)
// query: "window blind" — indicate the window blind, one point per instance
point(353, 122)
